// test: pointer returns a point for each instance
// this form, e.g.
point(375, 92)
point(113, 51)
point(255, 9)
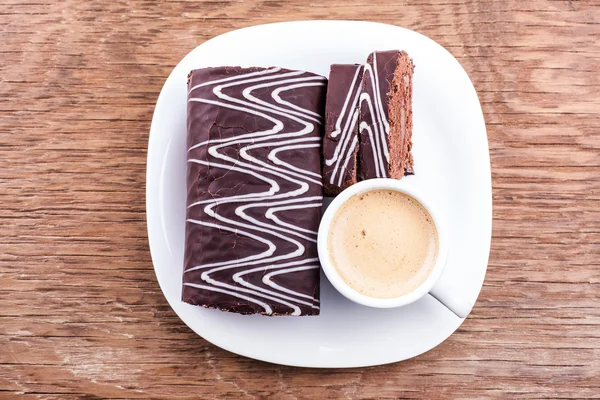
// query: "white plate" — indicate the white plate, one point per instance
point(451, 163)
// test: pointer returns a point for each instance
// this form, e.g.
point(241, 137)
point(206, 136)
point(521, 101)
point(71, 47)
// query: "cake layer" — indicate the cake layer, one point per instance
point(340, 144)
point(254, 190)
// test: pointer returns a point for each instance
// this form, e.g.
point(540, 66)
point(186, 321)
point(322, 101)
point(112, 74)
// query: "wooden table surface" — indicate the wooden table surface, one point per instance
point(81, 313)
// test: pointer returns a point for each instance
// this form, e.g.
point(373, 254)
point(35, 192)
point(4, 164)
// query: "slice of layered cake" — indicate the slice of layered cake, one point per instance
point(385, 124)
point(368, 121)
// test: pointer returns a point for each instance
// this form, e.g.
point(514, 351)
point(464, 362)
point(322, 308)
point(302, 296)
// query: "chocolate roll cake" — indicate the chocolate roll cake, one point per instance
point(254, 190)
point(340, 144)
point(385, 126)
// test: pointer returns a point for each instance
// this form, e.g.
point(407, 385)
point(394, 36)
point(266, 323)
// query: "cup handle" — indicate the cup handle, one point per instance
point(450, 297)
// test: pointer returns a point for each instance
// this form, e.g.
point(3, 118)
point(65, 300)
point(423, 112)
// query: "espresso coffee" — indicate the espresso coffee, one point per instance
point(383, 243)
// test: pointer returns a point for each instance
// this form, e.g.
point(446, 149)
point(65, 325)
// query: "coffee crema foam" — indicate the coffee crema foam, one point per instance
point(383, 243)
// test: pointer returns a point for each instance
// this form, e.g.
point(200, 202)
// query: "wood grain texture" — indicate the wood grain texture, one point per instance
point(81, 313)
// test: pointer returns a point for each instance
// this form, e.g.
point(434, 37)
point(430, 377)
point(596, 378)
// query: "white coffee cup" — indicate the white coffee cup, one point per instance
point(445, 294)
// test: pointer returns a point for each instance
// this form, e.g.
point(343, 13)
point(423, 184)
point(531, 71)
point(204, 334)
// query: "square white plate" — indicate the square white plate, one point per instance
point(451, 163)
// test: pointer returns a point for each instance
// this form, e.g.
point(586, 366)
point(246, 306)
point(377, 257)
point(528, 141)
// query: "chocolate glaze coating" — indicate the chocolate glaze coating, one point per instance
point(254, 190)
point(340, 144)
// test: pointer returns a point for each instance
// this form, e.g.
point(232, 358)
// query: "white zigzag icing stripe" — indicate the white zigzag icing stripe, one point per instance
point(380, 127)
point(274, 200)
